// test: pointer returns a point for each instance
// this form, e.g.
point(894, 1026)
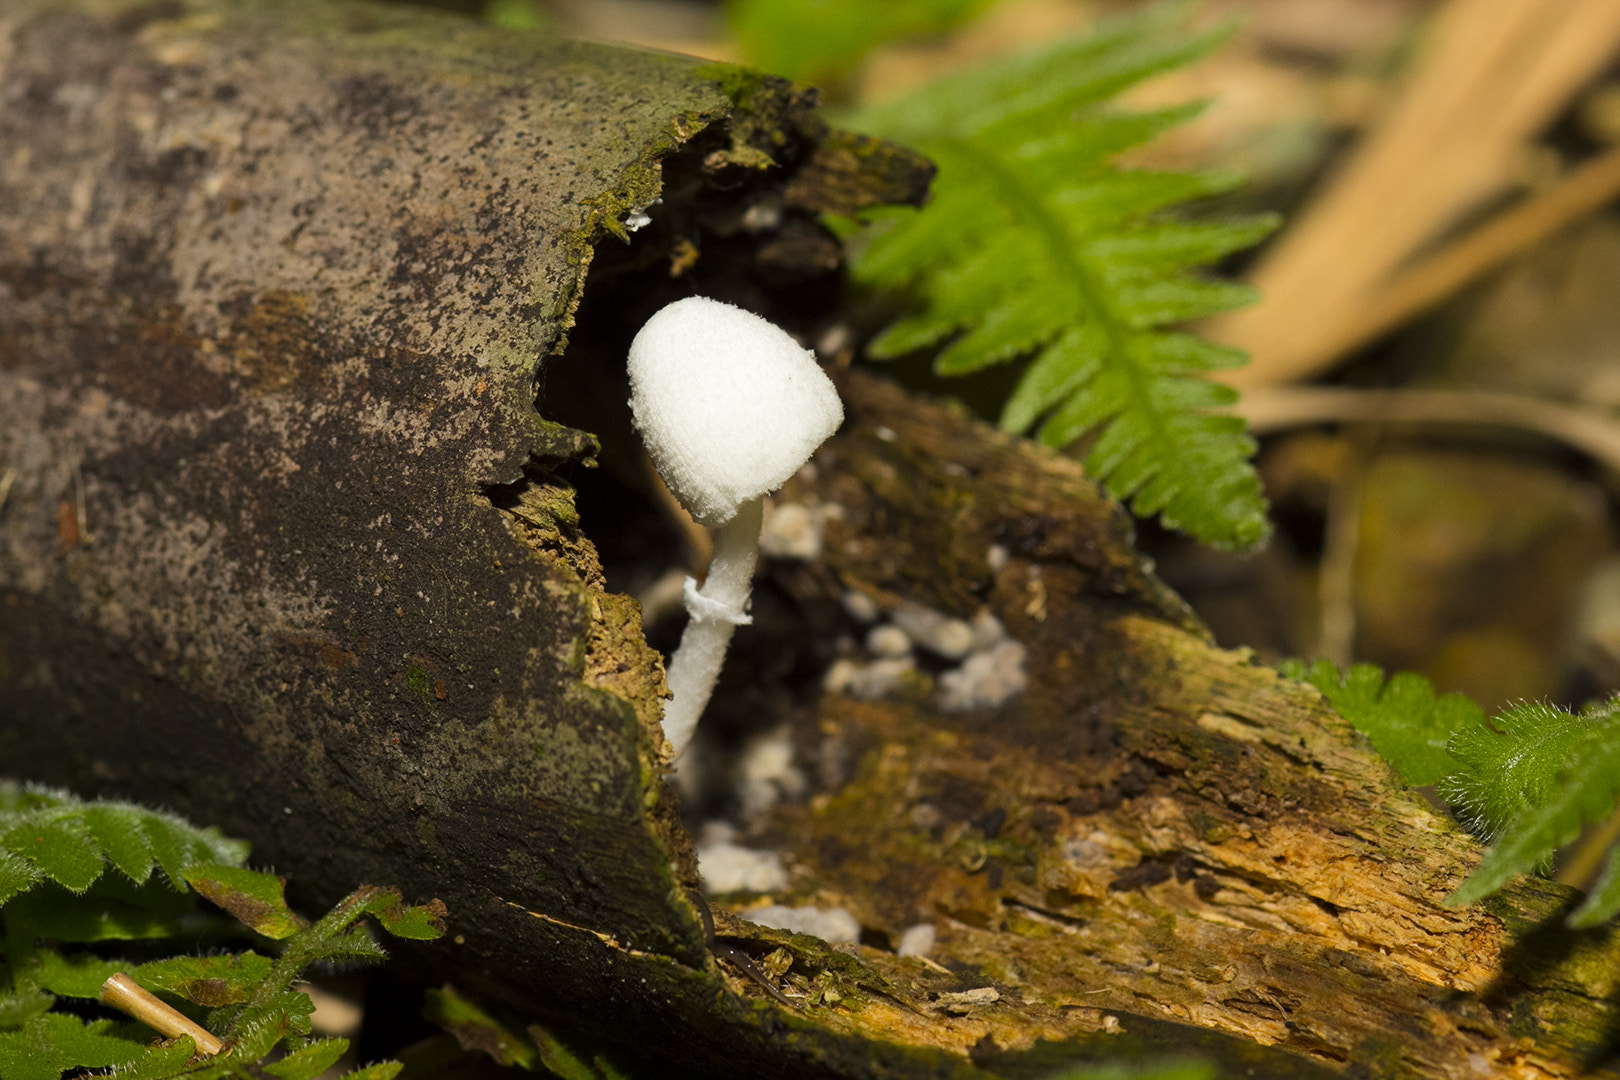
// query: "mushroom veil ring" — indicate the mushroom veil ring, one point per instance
point(729, 407)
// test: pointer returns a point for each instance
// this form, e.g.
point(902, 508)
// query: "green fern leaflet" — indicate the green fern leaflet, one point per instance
point(1036, 245)
point(1408, 723)
point(49, 836)
point(1531, 780)
point(823, 39)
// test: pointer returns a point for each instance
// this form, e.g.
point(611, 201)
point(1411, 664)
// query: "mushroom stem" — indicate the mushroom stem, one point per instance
point(716, 609)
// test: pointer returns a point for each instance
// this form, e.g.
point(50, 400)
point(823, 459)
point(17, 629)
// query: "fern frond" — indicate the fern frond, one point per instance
point(824, 39)
point(1408, 723)
point(1517, 762)
point(51, 835)
point(1035, 245)
point(1533, 782)
point(1603, 901)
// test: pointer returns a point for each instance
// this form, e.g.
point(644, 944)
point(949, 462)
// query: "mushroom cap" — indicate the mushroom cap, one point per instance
point(727, 403)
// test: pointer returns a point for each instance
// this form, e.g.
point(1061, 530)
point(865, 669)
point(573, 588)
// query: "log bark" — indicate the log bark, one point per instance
point(286, 546)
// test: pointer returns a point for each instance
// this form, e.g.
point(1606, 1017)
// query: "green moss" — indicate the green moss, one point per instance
point(1210, 829)
point(1024, 926)
point(555, 504)
point(769, 112)
point(742, 85)
point(420, 683)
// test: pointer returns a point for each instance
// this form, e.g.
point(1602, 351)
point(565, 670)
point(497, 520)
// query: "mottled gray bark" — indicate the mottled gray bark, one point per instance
point(275, 284)
point(286, 547)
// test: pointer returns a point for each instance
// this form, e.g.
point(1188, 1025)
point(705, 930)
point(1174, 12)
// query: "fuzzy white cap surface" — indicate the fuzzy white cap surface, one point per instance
point(831, 925)
point(916, 940)
point(727, 403)
point(727, 866)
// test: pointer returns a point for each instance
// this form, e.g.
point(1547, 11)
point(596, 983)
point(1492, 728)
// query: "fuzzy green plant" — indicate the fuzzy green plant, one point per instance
point(1408, 723)
point(823, 40)
point(1037, 249)
point(1531, 780)
point(1528, 779)
point(80, 881)
point(536, 1049)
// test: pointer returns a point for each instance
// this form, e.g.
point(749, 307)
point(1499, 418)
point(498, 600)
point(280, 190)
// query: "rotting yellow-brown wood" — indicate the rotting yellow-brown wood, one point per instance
point(1157, 830)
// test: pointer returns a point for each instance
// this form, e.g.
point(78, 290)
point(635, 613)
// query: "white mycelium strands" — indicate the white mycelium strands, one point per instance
point(729, 407)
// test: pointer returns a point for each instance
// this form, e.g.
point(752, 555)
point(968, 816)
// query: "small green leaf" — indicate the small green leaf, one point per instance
point(1565, 771)
point(18, 798)
point(258, 1029)
point(177, 844)
point(120, 829)
point(1511, 765)
point(256, 899)
point(475, 1029)
point(76, 975)
point(17, 874)
point(558, 1059)
point(69, 841)
point(310, 1061)
point(21, 1004)
point(382, 1070)
point(210, 981)
point(61, 846)
point(163, 1061)
point(423, 922)
point(1407, 722)
point(49, 1045)
point(817, 40)
point(113, 909)
point(352, 945)
point(1603, 902)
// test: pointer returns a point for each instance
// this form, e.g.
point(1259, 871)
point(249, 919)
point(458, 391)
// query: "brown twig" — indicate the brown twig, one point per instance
point(1493, 76)
point(1512, 232)
point(1585, 859)
point(1275, 408)
point(695, 539)
point(125, 994)
point(1336, 574)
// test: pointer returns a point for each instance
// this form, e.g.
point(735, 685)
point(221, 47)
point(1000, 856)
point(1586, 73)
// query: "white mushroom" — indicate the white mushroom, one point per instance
point(729, 407)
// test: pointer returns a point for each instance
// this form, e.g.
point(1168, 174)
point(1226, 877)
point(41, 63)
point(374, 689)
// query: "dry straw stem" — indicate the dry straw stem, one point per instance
point(125, 994)
point(1516, 230)
point(1494, 74)
point(1583, 861)
point(1590, 430)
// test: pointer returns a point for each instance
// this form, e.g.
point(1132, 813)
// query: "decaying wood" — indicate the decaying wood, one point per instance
point(1156, 828)
point(289, 549)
